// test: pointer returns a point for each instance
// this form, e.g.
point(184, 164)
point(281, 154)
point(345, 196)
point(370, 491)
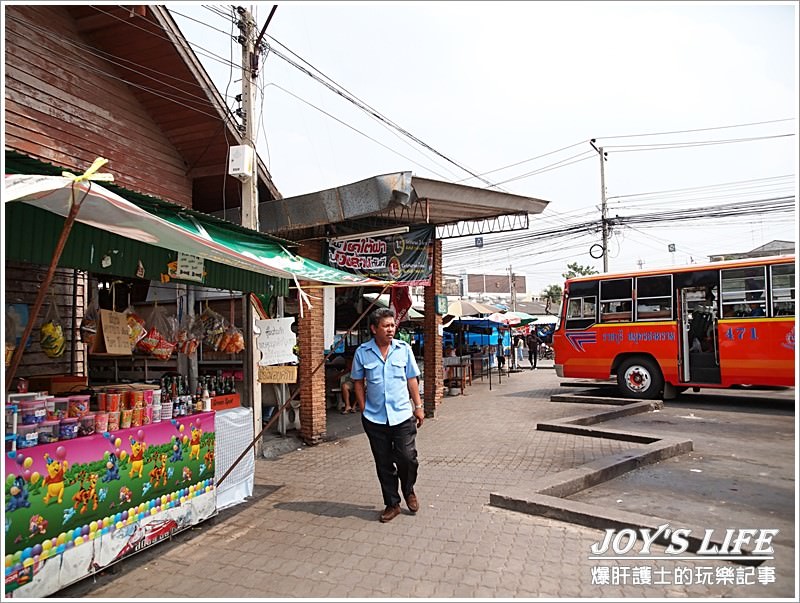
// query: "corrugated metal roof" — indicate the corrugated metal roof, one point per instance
point(31, 235)
point(399, 197)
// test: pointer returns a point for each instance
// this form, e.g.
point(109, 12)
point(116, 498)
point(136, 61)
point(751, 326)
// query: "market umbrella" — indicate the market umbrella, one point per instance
point(506, 318)
point(465, 307)
point(523, 318)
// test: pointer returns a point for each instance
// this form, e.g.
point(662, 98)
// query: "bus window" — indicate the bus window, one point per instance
point(616, 300)
point(581, 312)
point(743, 291)
point(782, 282)
point(654, 297)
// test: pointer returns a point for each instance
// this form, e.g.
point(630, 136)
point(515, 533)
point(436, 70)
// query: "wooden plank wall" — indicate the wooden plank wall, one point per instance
point(22, 284)
point(66, 104)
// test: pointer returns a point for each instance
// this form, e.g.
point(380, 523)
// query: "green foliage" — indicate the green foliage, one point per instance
point(553, 293)
point(574, 269)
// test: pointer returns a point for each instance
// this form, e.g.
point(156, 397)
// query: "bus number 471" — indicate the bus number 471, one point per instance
point(739, 333)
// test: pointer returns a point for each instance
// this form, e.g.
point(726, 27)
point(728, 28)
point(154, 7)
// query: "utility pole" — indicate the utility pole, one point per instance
point(250, 207)
point(603, 208)
point(513, 292)
point(249, 71)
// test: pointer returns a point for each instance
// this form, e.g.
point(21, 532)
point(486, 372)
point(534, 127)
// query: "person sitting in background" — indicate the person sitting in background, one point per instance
point(756, 309)
point(346, 385)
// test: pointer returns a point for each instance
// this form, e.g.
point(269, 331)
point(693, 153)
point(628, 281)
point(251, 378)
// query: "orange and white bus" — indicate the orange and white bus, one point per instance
point(659, 332)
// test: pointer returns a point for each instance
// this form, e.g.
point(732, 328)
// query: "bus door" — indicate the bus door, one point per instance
point(699, 346)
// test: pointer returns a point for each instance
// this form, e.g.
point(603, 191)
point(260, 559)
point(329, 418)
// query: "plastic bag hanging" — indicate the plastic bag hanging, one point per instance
point(88, 328)
point(51, 333)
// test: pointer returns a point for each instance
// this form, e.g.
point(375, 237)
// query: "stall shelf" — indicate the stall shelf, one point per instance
point(74, 507)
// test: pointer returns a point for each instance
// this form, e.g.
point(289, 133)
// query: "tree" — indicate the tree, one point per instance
point(574, 269)
point(553, 293)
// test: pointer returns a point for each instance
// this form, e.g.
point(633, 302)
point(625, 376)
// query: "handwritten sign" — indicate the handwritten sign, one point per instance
point(112, 334)
point(277, 374)
point(189, 268)
point(275, 341)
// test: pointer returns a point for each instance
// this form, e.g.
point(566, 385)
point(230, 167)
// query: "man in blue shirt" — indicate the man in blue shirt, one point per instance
point(384, 375)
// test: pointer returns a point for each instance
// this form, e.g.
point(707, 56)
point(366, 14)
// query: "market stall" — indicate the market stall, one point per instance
point(81, 504)
point(145, 465)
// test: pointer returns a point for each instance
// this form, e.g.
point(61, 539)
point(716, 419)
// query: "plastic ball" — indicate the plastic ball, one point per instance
point(85, 531)
point(61, 548)
point(37, 549)
point(120, 525)
point(123, 455)
point(28, 562)
point(70, 544)
point(153, 511)
point(18, 566)
point(92, 535)
point(47, 545)
point(75, 533)
point(93, 526)
point(79, 541)
point(35, 477)
point(124, 515)
point(61, 453)
point(27, 463)
point(140, 435)
point(19, 459)
point(9, 560)
point(181, 428)
point(117, 443)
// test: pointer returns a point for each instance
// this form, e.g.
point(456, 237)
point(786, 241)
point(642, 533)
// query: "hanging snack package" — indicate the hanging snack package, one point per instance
point(136, 328)
point(157, 341)
point(88, 327)
point(232, 341)
point(190, 332)
point(214, 326)
point(167, 326)
point(51, 334)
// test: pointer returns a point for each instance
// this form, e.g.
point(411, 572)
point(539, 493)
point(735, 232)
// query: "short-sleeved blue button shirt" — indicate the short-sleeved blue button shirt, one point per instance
point(386, 381)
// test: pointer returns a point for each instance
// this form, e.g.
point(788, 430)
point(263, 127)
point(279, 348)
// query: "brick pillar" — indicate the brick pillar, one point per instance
point(311, 346)
point(432, 353)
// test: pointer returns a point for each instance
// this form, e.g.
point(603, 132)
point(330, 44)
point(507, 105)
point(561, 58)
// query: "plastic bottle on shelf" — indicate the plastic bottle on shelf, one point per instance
point(206, 399)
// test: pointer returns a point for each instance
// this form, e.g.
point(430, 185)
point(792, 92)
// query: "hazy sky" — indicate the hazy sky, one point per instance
point(490, 85)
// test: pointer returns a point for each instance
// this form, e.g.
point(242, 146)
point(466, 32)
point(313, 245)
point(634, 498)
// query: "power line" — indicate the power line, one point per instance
point(699, 188)
point(348, 125)
point(681, 145)
point(755, 123)
point(336, 89)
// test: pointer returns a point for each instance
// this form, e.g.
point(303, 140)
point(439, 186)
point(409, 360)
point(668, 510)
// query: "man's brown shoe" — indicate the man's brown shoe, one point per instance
point(389, 513)
point(412, 502)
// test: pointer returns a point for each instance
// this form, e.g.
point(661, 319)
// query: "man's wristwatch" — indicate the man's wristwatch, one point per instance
point(418, 406)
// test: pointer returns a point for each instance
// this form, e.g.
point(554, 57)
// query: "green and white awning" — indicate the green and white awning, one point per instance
point(174, 228)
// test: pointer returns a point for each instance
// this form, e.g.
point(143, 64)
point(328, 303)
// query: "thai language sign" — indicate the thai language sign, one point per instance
point(276, 341)
point(402, 257)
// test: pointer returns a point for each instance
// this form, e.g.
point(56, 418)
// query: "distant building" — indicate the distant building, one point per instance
point(771, 248)
point(493, 284)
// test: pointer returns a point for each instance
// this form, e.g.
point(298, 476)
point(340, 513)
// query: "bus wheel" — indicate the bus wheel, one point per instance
point(639, 377)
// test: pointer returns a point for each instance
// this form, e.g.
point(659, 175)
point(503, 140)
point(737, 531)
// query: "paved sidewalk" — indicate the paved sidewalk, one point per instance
point(311, 529)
